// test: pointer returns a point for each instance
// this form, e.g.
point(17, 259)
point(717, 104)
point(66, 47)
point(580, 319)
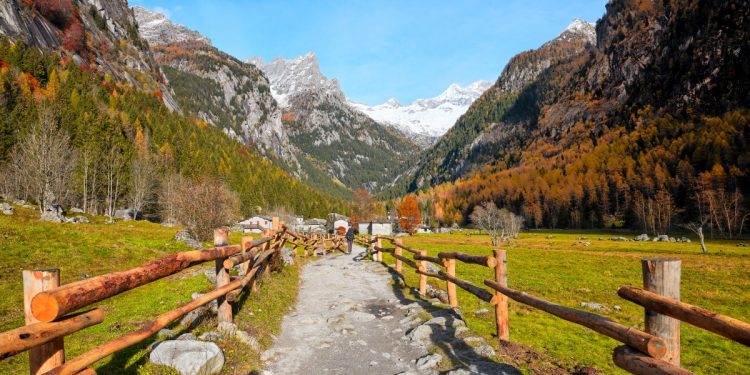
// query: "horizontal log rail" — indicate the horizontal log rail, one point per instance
point(480, 293)
point(55, 303)
point(646, 343)
point(481, 260)
point(248, 254)
point(149, 328)
point(407, 248)
point(430, 259)
point(430, 274)
point(637, 363)
point(728, 327)
point(24, 338)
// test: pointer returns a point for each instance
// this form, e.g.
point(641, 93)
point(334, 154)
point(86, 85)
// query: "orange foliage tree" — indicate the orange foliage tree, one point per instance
point(409, 217)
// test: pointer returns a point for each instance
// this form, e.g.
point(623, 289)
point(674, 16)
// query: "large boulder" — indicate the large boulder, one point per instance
point(189, 357)
point(185, 236)
point(53, 213)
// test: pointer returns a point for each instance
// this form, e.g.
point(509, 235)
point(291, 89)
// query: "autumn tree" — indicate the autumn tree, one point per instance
point(409, 217)
point(364, 204)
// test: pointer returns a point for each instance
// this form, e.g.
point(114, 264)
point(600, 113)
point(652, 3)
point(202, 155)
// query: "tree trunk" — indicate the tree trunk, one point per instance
point(702, 240)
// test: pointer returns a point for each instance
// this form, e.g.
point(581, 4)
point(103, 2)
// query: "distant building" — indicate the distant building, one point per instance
point(334, 222)
point(261, 222)
point(376, 227)
point(341, 223)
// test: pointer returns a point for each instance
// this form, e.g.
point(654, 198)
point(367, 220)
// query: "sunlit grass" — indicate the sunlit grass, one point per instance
point(553, 265)
point(86, 250)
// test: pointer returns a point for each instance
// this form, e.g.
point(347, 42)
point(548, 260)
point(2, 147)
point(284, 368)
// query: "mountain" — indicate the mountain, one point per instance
point(449, 157)
point(82, 67)
point(102, 35)
point(218, 88)
point(350, 146)
point(655, 114)
point(426, 118)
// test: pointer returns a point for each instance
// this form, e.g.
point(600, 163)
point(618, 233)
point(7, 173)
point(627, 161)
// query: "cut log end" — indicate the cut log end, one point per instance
point(656, 348)
point(44, 307)
point(491, 262)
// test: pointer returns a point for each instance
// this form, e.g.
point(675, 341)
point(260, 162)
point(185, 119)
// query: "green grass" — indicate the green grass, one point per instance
point(84, 250)
point(552, 265)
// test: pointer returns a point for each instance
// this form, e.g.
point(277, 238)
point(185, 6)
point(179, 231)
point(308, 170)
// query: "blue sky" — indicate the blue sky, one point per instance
point(404, 49)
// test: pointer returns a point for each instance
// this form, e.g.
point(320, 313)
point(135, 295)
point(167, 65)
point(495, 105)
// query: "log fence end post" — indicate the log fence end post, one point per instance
point(450, 269)
point(501, 308)
point(422, 277)
point(221, 238)
point(52, 354)
point(662, 276)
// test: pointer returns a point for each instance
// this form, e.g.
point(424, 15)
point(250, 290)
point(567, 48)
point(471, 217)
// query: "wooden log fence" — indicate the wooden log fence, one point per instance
point(49, 306)
point(655, 350)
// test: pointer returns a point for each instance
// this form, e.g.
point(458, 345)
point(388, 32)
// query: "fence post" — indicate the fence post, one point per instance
point(371, 245)
point(423, 278)
point(221, 238)
point(450, 268)
point(247, 243)
point(275, 223)
point(662, 276)
point(501, 309)
point(52, 354)
point(398, 251)
point(379, 254)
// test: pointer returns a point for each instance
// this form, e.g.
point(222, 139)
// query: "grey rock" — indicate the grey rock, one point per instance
point(231, 330)
point(165, 333)
point(194, 317)
point(662, 238)
point(359, 316)
point(446, 321)
point(420, 333)
point(189, 357)
point(617, 307)
point(485, 351)
point(77, 219)
point(76, 210)
point(212, 336)
point(213, 305)
point(53, 214)
point(186, 337)
point(618, 239)
point(460, 330)
point(429, 361)
point(594, 306)
point(210, 275)
point(683, 239)
point(474, 340)
point(185, 236)
point(287, 256)
point(642, 237)
point(6, 209)
point(672, 239)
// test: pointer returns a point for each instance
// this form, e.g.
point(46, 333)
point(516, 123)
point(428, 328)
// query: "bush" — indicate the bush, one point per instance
point(74, 39)
point(204, 205)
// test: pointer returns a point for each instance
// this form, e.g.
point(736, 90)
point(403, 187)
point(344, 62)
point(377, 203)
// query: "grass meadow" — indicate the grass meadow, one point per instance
point(86, 250)
point(554, 265)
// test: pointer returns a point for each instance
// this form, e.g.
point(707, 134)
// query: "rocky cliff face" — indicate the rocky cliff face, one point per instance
point(221, 90)
point(351, 147)
point(101, 34)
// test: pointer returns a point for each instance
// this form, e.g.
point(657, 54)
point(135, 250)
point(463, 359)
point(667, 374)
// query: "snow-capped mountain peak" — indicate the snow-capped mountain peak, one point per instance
point(291, 76)
point(426, 117)
point(157, 29)
point(579, 28)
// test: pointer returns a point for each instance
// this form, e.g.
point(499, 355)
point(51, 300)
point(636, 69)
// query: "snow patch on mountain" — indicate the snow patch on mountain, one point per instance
point(579, 29)
point(426, 117)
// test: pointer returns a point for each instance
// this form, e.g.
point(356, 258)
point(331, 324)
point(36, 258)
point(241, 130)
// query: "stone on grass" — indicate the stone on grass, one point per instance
point(186, 237)
point(232, 331)
point(165, 333)
point(594, 306)
point(212, 336)
point(194, 317)
point(53, 213)
point(77, 219)
point(6, 209)
point(485, 351)
point(429, 361)
point(189, 357)
point(287, 256)
point(642, 237)
point(186, 337)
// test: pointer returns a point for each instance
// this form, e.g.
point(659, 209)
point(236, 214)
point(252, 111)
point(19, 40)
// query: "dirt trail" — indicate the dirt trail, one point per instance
point(350, 320)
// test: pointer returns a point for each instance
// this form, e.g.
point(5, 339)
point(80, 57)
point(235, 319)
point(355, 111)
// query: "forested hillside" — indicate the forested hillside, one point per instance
point(645, 129)
point(111, 123)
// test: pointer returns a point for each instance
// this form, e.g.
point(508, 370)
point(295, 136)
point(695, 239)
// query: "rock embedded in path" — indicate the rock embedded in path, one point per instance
point(189, 357)
point(429, 361)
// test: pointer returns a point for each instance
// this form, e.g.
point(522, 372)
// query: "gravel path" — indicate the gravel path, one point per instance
point(349, 320)
point(344, 322)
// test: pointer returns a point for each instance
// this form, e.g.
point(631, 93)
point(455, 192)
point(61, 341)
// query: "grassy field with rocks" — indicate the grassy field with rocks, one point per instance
point(555, 265)
point(85, 250)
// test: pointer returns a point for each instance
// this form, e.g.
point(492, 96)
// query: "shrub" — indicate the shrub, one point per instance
point(74, 39)
point(204, 205)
